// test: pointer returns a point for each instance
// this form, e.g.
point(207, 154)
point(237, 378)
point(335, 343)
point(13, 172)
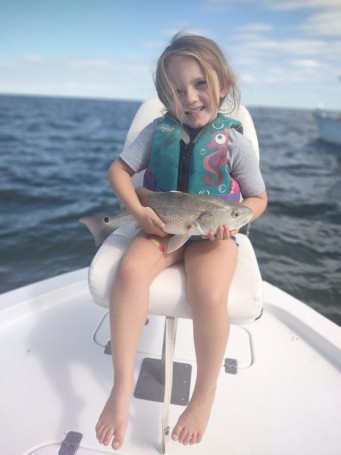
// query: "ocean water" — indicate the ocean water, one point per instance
point(55, 153)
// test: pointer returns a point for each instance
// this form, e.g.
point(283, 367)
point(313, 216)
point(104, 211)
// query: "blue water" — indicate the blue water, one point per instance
point(55, 153)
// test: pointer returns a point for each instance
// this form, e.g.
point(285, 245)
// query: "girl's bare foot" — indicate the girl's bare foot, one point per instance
point(193, 421)
point(113, 421)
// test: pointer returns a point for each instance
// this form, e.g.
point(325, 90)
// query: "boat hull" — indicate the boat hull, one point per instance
point(329, 127)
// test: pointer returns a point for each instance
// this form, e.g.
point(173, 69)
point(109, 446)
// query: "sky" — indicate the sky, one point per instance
point(285, 53)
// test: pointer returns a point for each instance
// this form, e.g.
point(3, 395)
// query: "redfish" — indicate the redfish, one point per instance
point(184, 215)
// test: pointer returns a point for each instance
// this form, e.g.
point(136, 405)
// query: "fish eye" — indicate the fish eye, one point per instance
point(106, 219)
point(235, 214)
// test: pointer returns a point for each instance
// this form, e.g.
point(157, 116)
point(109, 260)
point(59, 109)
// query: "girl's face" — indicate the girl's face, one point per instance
point(190, 82)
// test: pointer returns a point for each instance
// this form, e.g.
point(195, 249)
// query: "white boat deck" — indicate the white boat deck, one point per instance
point(55, 378)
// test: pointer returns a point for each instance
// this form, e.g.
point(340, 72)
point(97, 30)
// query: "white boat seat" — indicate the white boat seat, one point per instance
point(168, 292)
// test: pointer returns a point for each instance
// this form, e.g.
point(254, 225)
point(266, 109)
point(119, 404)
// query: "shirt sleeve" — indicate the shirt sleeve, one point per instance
point(137, 154)
point(244, 165)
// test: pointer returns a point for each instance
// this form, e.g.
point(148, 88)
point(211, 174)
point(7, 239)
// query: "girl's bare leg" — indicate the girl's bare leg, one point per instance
point(128, 312)
point(210, 268)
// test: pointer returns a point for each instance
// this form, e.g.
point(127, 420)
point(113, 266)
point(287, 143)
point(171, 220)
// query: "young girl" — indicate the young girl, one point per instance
point(193, 148)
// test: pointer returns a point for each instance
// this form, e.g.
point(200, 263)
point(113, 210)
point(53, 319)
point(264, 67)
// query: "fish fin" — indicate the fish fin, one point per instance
point(176, 241)
point(98, 227)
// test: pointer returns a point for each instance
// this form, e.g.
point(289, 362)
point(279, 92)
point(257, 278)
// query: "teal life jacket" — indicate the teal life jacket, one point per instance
point(192, 166)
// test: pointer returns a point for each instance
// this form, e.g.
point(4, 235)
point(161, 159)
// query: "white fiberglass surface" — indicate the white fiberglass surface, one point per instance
point(54, 379)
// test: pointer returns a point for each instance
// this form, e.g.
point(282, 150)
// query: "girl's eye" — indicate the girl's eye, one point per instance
point(201, 84)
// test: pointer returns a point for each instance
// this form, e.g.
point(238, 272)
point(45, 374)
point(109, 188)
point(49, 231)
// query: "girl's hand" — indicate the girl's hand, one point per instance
point(223, 233)
point(150, 222)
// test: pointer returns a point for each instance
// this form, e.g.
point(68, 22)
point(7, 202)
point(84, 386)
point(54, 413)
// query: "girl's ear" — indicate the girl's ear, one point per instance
point(223, 92)
point(222, 95)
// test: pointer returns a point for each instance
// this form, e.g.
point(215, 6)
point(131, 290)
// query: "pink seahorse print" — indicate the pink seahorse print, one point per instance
point(215, 160)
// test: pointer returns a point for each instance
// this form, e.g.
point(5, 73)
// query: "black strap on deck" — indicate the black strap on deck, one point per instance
point(70, 444)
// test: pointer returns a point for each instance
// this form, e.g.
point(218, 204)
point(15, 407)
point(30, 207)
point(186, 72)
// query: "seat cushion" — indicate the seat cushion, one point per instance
point(168, 290)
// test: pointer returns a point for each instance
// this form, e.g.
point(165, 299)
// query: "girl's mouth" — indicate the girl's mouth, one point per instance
point(195, 111)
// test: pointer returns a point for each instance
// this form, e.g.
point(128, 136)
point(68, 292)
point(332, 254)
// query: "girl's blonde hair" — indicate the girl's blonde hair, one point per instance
point(213, 64)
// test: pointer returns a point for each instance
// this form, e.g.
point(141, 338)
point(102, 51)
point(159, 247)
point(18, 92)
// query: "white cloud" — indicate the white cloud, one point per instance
point(33, 58)
point(278, 4)
point(300, 67)
point(113, 78)
point(311, 53)
point(92, 63)
point(256, 27)
point(264, 47)
point(297, 4)
point(306, 63)
point(325, 23)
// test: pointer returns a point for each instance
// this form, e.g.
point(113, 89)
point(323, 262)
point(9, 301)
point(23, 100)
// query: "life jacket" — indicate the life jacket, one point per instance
point(192, 166)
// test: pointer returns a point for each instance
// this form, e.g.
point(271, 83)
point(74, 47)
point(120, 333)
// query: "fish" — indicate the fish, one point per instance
point(184, 215)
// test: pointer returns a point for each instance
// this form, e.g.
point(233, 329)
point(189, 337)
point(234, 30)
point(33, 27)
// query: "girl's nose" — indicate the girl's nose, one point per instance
point(191, 95)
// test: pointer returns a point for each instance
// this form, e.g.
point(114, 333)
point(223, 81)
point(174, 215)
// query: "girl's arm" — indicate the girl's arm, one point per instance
point(257, 203)
point(120, 175)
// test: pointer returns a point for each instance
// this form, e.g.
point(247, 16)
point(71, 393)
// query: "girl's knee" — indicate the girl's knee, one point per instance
point(129, 267)
point(214, 300)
